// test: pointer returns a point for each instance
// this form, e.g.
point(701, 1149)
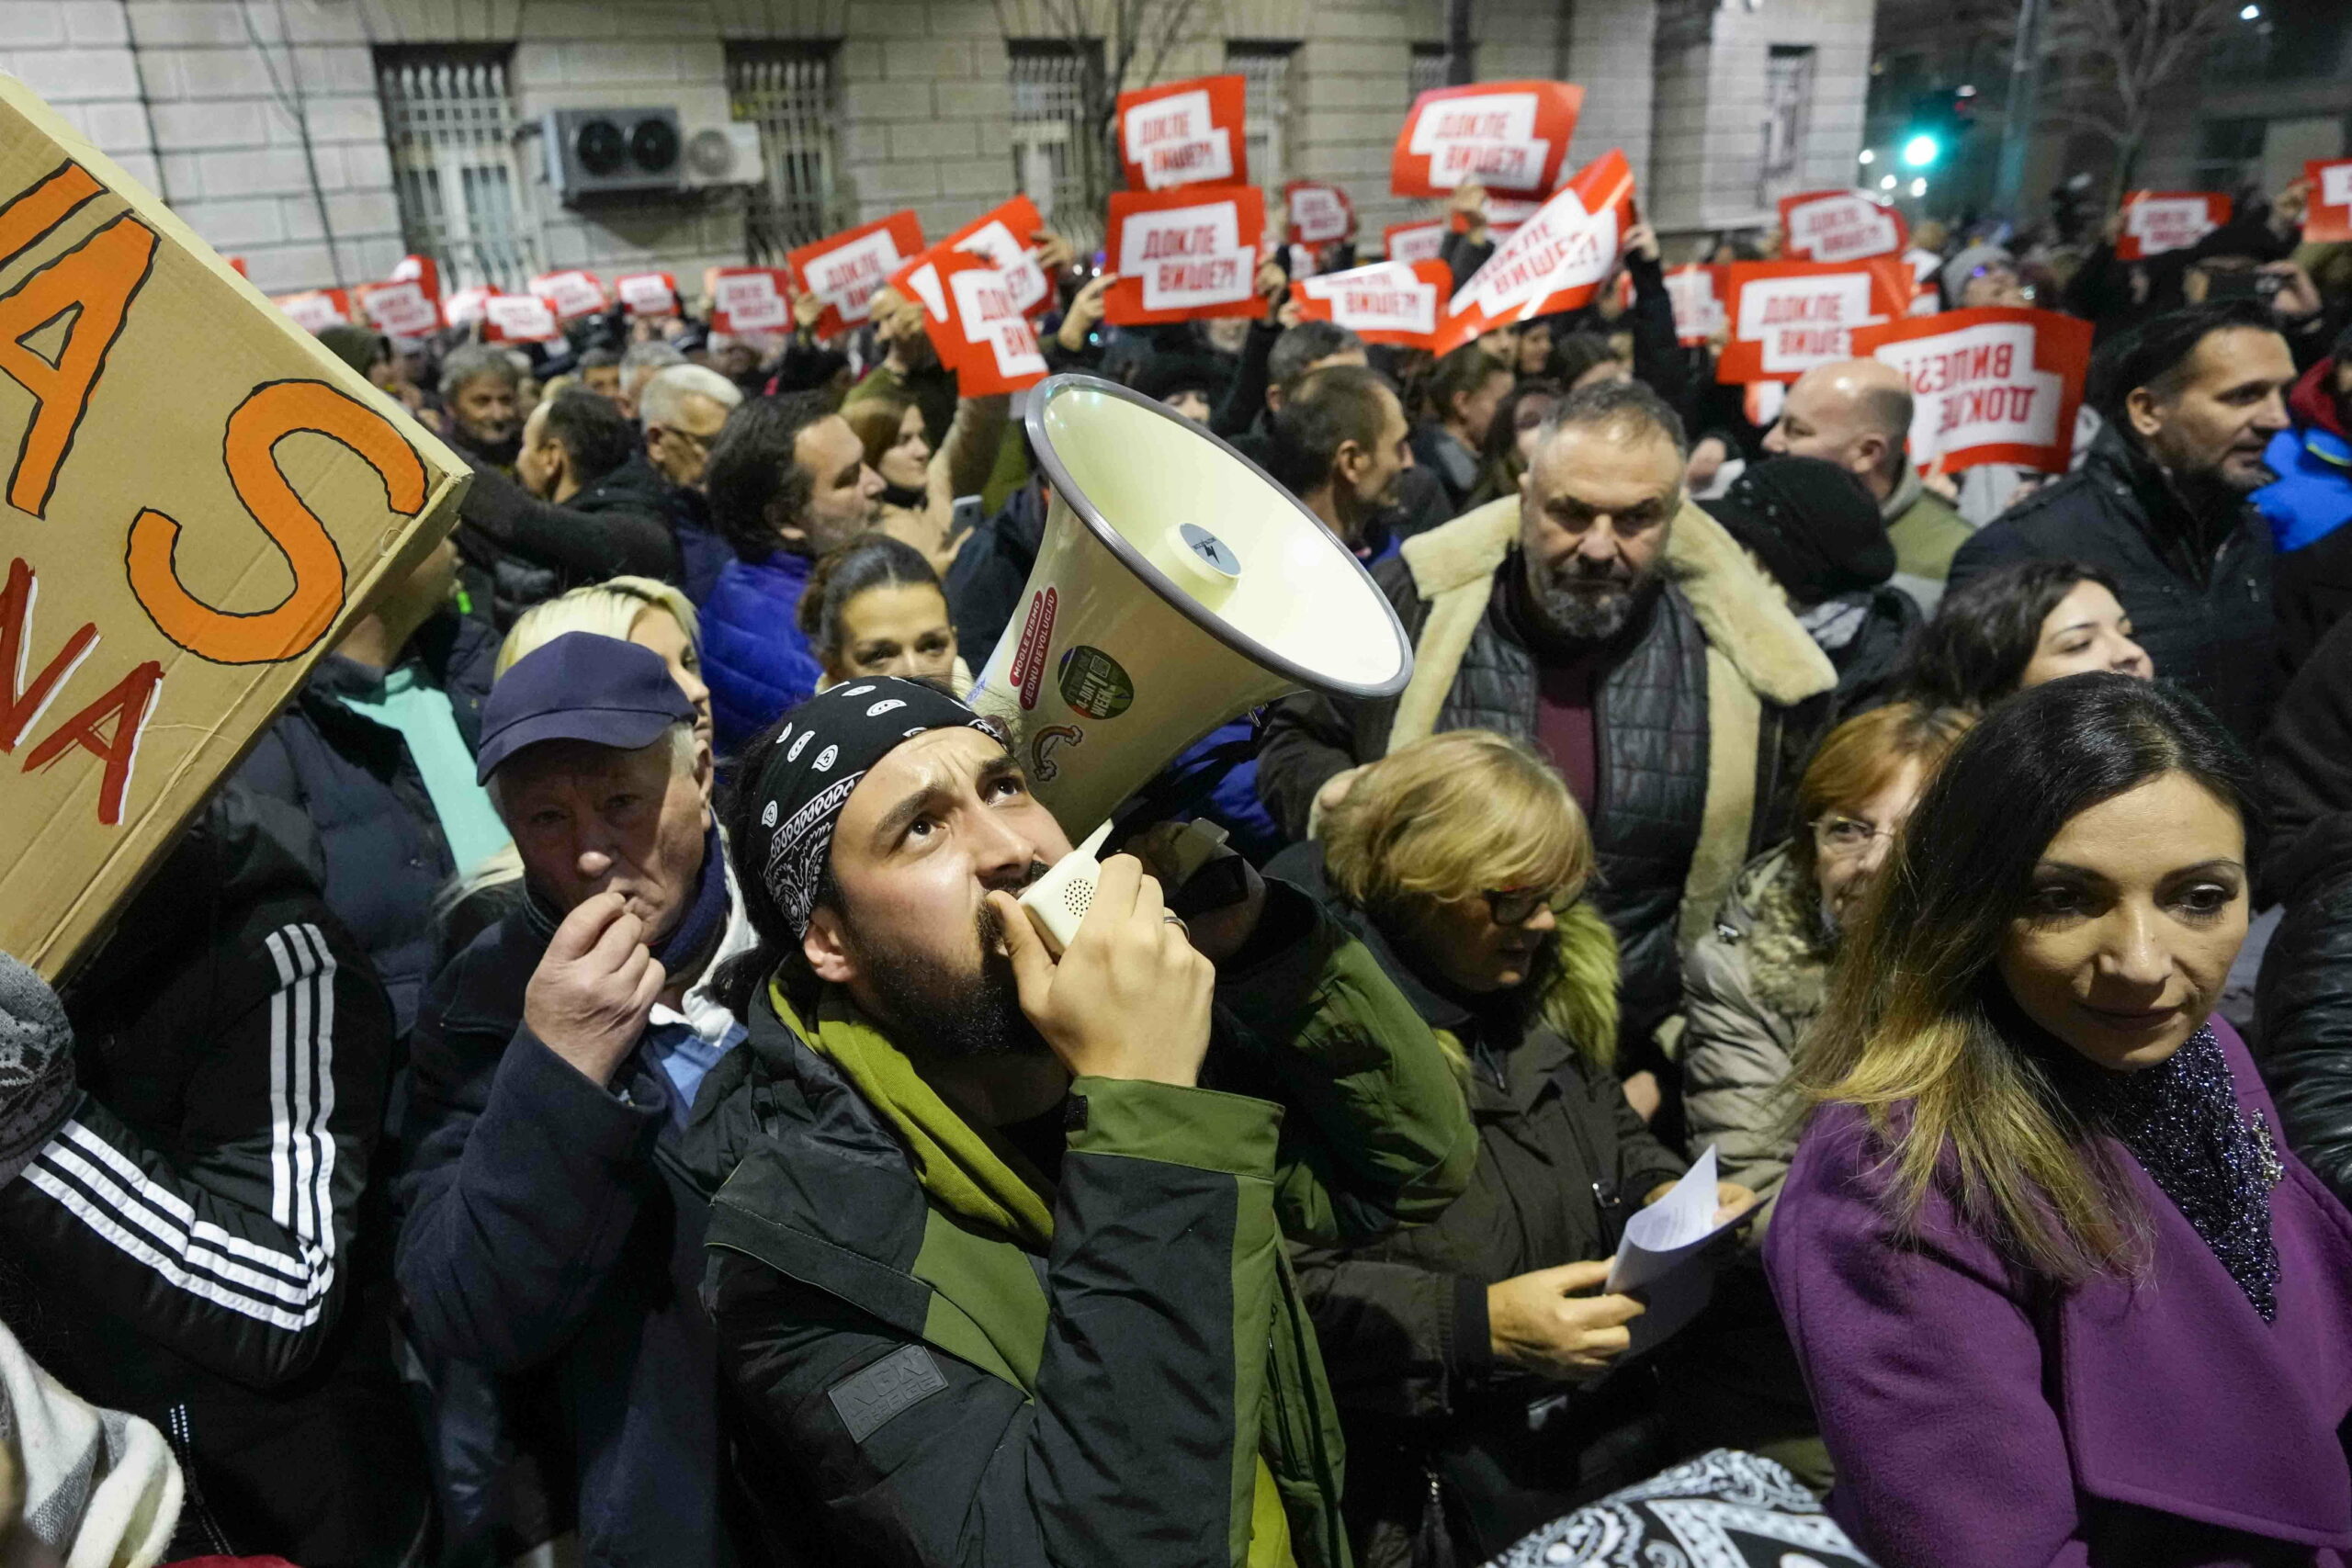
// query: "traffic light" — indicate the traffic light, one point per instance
point(1939, 121)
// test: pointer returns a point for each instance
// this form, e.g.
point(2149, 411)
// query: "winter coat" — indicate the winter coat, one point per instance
point(1980, 1415)
point(991, 567)
point(1561, 1155)
point(1926, 531)
point(755, 659)
point(2304, 1001)
point(1698, 725)
point(189, 1247)
point(354, 778)
point(961, 466)
point(2306, 764)
point(518, 551)
point(933, 1392)
point(1751, 984)
point(701, 552)
point(2198, 590)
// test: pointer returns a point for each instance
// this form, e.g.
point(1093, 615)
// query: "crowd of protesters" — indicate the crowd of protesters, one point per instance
point(581, 1091)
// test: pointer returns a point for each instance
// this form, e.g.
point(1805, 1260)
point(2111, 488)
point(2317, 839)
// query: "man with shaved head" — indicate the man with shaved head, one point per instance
point(1857, 413)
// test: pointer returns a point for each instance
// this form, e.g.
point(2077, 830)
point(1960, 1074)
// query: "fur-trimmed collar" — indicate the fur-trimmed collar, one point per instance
point(1788, 954)
point(1747, 619)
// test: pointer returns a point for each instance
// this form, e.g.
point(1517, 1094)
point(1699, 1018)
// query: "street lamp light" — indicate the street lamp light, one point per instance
point(2250, 14)
point(1919, 188)
point(1886, 182)
point(1921, 149)
point(1868, 156)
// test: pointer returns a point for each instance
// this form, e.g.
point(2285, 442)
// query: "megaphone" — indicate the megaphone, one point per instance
point(1177, 588)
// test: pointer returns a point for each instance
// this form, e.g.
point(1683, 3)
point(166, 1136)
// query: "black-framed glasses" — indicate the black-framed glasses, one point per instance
point(1517, 905)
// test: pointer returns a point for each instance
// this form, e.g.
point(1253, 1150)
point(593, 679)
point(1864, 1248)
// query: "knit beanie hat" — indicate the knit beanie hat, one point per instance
point(36, 1065)
point(1815, 527)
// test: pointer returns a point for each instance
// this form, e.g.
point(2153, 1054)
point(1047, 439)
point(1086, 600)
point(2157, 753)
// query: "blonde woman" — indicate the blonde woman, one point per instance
point(1462, 862)
point(2060, 1295)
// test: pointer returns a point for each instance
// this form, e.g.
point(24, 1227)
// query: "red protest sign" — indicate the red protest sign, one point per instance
point(1840, 226)
point(400, 309)
point(1698, 296)
point(648, 293)
point(467, 306)
point(1787, 317)
point(1184, 133)
point(1506, 136)
point(2155, 222)
point(2329, 217)
point(1555, 261)
point(1413, 242)
point(1320, 213)
point(1000, 352)
point(845, 270)
point(421, 269)
point(315, 309)
point(1183, 254)
point(1990, 385)
point(1399, 302)
point(519, 318)
point(570, 294)
point(750, 299)
point(1000, 238)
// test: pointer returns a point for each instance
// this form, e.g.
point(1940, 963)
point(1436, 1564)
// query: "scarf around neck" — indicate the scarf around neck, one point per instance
point(688, 949)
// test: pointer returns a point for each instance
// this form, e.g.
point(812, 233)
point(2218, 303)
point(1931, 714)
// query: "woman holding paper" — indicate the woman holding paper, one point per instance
point(1472, 1357)
point(2061, 1294)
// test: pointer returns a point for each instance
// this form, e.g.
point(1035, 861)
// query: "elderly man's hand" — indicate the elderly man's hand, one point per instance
point(594, 987)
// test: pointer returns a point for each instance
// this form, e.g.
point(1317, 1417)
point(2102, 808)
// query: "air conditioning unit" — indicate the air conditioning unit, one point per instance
point(596, 152)
point(725, 153)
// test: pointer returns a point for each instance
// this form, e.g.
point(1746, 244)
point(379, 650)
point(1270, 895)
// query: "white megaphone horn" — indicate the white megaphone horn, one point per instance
point(1177, 588)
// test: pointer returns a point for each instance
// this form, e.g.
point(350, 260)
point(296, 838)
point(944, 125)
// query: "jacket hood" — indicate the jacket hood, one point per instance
point(1744, 613)
point(2313, 400)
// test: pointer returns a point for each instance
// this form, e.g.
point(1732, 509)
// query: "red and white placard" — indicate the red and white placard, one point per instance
point(1000, 353)
point(401, 307)
point(1320, 213)
point(316, 309)
point(750, 299)
point(1556, 261)
point(572, 293)
point(1698, 294)
point(2329, 217)
point(1002, 238)
point(2155, 222)
point(1398, 302)
point(1787, 317)
point(846, 270)
point(1506, 136)
point(1183, 255)
point(1413, 242)
point(420, 269)
point(1840, 226)
point(1184, 133)
point(468, 305)
point(1990, 385)
point(648, 293)
point(519, 318)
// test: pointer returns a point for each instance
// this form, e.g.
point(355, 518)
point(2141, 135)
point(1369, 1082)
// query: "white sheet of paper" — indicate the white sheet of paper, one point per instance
point(1665, 1255)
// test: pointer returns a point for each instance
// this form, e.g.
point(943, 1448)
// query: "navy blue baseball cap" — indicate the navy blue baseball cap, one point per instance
point(580, 687)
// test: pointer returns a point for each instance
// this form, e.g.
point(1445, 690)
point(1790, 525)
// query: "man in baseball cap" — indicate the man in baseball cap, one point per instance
point(996, 1276)
point(556, 1060)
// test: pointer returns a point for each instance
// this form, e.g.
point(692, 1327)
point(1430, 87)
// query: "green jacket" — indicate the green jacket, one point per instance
point(941, 1387)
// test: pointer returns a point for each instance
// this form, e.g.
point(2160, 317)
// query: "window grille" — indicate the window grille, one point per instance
point(449, 126)
point(1056, 147)
point(1427, 70)
point(1788, 118)
point(787, 89)
point(1266, 68)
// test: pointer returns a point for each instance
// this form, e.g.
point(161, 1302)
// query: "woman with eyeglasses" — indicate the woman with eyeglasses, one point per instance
point(1476, 1361)
point(2061, 1293)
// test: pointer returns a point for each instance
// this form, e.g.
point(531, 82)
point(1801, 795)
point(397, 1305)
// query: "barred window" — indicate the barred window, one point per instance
point(1266, 67)
point(1426, 71)
point(1788, 120)
point(449, 126)
point(1056, 147)
point(786, 88)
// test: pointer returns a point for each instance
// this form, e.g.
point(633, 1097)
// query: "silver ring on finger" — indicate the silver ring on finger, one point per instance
point(1178, 921)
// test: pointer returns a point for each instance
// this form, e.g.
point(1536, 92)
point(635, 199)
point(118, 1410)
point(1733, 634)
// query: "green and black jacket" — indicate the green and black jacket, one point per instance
point(923, 1379)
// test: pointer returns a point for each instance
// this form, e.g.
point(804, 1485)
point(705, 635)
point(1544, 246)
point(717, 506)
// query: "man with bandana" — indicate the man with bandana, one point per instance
point(997, 1246)
point(546, 1232)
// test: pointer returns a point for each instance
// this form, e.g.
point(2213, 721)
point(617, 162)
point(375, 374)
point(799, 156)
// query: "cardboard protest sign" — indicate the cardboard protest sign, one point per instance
point(1840, 226)
point(1556, 261)
point(1185, 254)
point(749, 299)
point(519, 318)
point(400, 309)
point(1698, 294)
point(845, 270)
point(1399, 302)
point(2155, 222)
point(1320, 213)
point(2329, 217)
point(1511, 137)
point(1787, 317)
point(1002, 238)
point(646, 293)
point(202, 498)
point(422, 270)
point(1184, 133)
point(315, 309)
point(572, 293)
point(997, 352)
point(1989, 385)
point(467, 306)
point(1413, 242)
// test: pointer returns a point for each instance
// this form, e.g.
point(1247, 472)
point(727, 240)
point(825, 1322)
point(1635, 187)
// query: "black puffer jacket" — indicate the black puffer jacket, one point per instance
point(2198, 588)
point(519, 551)
point(2304, 1001)
point(2306, 765)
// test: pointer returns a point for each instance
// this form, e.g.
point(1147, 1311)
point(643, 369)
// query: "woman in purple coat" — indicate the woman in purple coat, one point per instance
point(2060, 1295)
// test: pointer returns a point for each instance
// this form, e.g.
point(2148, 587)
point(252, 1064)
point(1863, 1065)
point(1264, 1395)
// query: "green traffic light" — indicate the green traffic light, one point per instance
point(1921, 149)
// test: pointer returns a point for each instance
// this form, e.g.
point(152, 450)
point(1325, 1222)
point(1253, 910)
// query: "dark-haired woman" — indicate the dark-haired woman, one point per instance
point(2018, 626)
point(874, 607)
point(1510, 440)
point(2061, 1294)
point(1462, 393)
